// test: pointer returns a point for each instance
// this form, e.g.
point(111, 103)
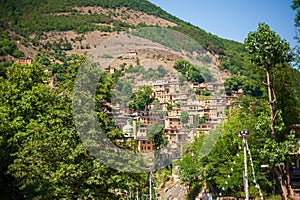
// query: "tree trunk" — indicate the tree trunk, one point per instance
point(282, 172)
point(271, 101)
point(283, 178)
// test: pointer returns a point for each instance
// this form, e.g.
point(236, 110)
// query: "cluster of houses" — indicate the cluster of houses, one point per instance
point(173, 97)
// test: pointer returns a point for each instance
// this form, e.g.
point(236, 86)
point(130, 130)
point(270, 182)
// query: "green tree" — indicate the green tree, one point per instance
point(195, 75)
point(232, 84)
point(184, 117)
point(44, 61)
point(21, 100)
point(268, 51)
point(18, 53)
point(271, 54)
point(191, 168)
point(161, 70)
point(141, 98)
point(189, 71)
point(124, 87)
point(57, 70)
point(9, 47)
point(154, 132)
point(41, 155)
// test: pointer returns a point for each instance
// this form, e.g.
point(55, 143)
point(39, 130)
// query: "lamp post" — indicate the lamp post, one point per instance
point(244, 134)
point(150, 185)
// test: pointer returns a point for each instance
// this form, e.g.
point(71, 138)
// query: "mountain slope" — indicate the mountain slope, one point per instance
point(28, 17)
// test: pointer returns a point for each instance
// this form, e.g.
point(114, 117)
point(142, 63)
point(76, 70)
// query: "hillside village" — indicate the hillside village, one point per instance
point(173, 97)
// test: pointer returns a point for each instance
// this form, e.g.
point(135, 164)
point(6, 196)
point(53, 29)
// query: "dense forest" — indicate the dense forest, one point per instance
point(43, 157)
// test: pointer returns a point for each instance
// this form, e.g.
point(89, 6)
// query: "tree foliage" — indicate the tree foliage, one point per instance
point(141, 98)
point(266, 48)
point(8, 46)
point(42, 156)
point(221, 171)
point(189, 71)
point(184, 117)
point(247, 84)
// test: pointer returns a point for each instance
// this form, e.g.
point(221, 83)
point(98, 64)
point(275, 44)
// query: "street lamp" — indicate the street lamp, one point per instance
point(244, 134)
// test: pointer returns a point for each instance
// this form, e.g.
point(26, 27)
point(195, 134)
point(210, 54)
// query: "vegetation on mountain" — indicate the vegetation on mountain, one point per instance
point(189, 71)
point(46, 16)
point(49, 16)
point(8, 46)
